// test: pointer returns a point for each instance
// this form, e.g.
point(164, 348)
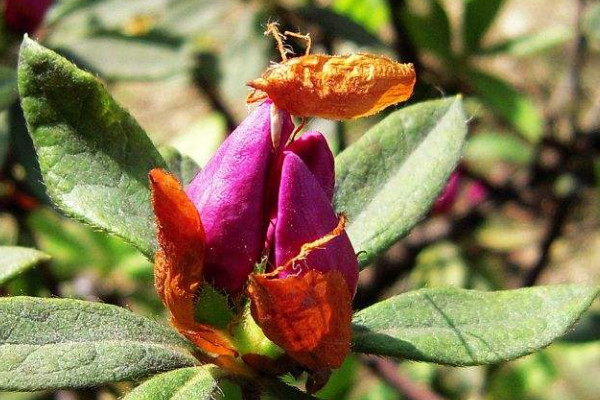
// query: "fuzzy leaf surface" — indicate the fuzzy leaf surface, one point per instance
point(63, 343)
point(15, 260)
point(197, 383)
point(466, 327)
point(387, 180)
point(93, 155)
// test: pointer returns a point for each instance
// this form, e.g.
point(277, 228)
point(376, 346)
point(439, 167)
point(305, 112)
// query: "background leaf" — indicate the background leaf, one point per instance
point(478, 17)
point(181, 165)
point(512, 105)
point(196, 383)
point(126, 58)
point(8, 86)
point(15, 260)
point(463, 327)
point(58, 343)
point(430, 29)
point(4, 135)
point(387, 181)
point(486, 149)
point(531, 44)
point(93, 155)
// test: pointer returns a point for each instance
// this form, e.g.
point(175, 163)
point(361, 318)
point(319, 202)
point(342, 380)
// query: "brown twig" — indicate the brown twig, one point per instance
point(554, 232)
point(388, 372)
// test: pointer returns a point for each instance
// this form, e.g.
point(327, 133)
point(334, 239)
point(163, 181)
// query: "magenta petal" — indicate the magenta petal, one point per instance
point(25, 16)
point(446, 200)
point(304, 215)
point(230, 195)
point(313, 149)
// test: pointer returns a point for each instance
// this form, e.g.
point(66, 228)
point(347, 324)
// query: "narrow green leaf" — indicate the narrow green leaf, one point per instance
point(15, 260)
point(466, 327)
point(93, 155)
point(61, 343)
point(489, 148)
point(387, 181)
point(530, 44)
point(514, 106)
point(429, 29)
point(126, 58)
point(198, 383)
point(478, 17)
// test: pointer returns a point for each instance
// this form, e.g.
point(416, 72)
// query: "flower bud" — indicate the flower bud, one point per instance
point(230, 195)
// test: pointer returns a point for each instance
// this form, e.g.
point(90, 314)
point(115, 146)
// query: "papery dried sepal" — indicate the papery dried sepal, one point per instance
point(179, 261)
point(308, 315)
point(335, 87)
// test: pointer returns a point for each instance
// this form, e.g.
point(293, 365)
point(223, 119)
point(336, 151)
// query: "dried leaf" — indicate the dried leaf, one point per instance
point(307, 315)
point(179, 262)
point(335, 87)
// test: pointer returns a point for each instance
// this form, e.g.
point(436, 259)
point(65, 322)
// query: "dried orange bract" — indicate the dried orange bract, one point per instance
point(179, 262)
point(307, 315)
point(334, 87)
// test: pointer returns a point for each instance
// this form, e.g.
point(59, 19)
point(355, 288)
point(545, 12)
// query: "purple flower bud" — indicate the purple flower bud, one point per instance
point(230, 195)
point(305, 214)
point(261, 196)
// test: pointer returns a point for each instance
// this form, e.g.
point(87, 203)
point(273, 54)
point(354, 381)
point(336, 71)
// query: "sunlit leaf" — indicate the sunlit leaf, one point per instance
point(198, 383)
point(15, 260)
point(58, 343)
point(513, 105)
point(531, 44)
point(387, 181)
point(466, 327)
point(93, 155)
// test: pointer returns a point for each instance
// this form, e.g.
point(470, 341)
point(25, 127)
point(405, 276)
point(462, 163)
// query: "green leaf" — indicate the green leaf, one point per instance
point(184, 167)
point(212, 307)
point(531, 44)
point(372, 14)
point(127, 58)
point(387, 181)
point(346, 22)
point(198, 383)
point(466, 327)
point(4, 136)
point(489, 148)
point(15, 260)
point(478, 17)
point(514, 106)
point(61, 343)
point(430, 28)
point(591, 24)
point(93, 155)
point(8, 87)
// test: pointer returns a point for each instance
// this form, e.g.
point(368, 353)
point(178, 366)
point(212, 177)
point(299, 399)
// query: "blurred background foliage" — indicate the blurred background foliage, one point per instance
point(523, 208)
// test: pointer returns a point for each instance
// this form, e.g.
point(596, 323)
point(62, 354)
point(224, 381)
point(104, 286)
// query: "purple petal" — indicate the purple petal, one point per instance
point(304, 215)
point(230, 195)
point(313, 149)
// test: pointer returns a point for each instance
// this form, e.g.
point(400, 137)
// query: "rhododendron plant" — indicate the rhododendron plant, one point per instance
point(260, 197)
point(257, 257)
